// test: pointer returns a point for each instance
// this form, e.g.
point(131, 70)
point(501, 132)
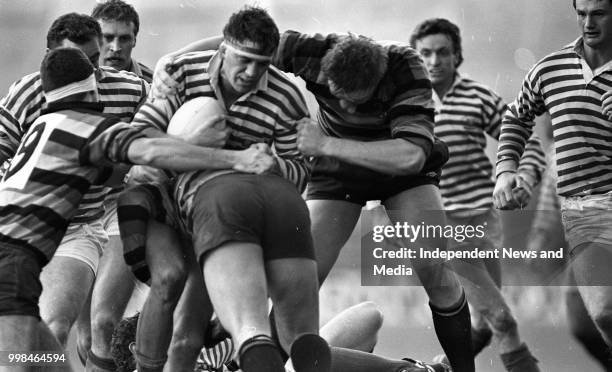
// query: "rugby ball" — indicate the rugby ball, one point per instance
point(192, 114)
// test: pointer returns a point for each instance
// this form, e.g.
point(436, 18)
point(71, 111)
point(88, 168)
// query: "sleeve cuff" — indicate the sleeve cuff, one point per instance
point(504, 166)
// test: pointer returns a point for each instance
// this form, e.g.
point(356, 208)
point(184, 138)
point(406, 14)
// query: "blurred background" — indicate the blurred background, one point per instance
point(501, 41)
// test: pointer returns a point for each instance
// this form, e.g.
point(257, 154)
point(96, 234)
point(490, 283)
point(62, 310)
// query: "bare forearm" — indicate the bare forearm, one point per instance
point(394, 157)
point(209, 43)
point(168, 153)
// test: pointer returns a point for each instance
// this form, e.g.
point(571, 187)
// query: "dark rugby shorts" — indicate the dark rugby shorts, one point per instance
point(20, 286)
point(262, 209)
point(332, 179)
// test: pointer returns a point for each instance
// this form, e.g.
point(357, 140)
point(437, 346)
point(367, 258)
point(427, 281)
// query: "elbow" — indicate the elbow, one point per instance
point(145, 152)
point(414, 165)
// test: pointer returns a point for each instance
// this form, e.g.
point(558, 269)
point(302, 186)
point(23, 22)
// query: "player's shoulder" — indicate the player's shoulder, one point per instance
point(31, 80)
point(108, 74)
point(466, 83)
point(194, 58)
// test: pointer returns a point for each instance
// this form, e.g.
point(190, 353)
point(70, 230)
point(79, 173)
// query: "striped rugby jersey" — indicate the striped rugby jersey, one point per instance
point(267, 114)
point(401, 106)
point(63, 152)
point(563, 85)
point(142, 71)
point(466, 112)
point(121, 92)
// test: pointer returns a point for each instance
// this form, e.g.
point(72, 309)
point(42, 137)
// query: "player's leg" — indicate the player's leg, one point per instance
point(485, 296)
point(227, 215)
point(68, 278)
point(21, 329)
point(584, 330)
point(590, 265)
point(190, 319)
point(333, 222)
point(166, 262)
point(451, 316)
point(355, 327)
point(111, 293)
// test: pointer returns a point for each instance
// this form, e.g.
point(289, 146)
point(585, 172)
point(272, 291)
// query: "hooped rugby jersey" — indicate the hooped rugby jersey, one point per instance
point(62, 154)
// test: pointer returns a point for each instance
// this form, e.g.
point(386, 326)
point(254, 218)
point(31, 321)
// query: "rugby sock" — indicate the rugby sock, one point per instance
point(310, 353)
point(347, 360)
point(260, 354)
point(520, 360)
point(453, 329)
point(102, 363)
point(481, 338)
point(146, 364)
point(135, 206)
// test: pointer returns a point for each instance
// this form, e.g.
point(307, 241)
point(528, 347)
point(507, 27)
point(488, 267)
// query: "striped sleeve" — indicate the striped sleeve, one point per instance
point(532, 162)
point(518, 123)
point(110, 145)
point(411, 114)
point(18, 110)
point(291, 162)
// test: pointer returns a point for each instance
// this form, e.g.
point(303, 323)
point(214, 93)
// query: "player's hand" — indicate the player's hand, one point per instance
point(140, 174)
point(503, 197)
point(606, 104)
point(256, 159)
point(163, 84)
point(522, 192)
point(310, 139)
point(213, 132)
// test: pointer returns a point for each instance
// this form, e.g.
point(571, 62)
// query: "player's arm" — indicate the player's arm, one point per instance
point(291, 163)
point(164, 84)
point(516, 129)
point(18, 110)
point(393, 156)
point(411, 124)
point(121, 143)
point(532, 162)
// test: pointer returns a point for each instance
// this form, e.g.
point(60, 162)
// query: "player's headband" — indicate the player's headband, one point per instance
point(247, 49)
point(86, 85)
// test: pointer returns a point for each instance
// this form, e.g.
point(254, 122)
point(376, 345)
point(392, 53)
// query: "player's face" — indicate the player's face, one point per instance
point(439, 56)
point(90, 48)
point(240, 72)
point(595, 22)
point(118, 39)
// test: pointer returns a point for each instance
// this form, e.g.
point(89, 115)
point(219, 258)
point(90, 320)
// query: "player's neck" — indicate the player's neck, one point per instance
point(442, 87)
point(596, 58)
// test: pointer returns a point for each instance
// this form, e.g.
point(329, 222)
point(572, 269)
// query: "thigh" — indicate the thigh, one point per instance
point(332, 221)
point(84, 243)
point(591, 268)
point(286, 221)
point(228, 208)
point(20, 287)
point(66, 285)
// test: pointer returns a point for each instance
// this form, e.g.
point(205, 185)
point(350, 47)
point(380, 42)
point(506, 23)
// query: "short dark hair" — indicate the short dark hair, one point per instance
point(574, 3)
point(435, 26)
point(123, 335)
point(78, 28)
point(355, 63)
point(62, 66)
point(117, 10)
point(253, 24)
